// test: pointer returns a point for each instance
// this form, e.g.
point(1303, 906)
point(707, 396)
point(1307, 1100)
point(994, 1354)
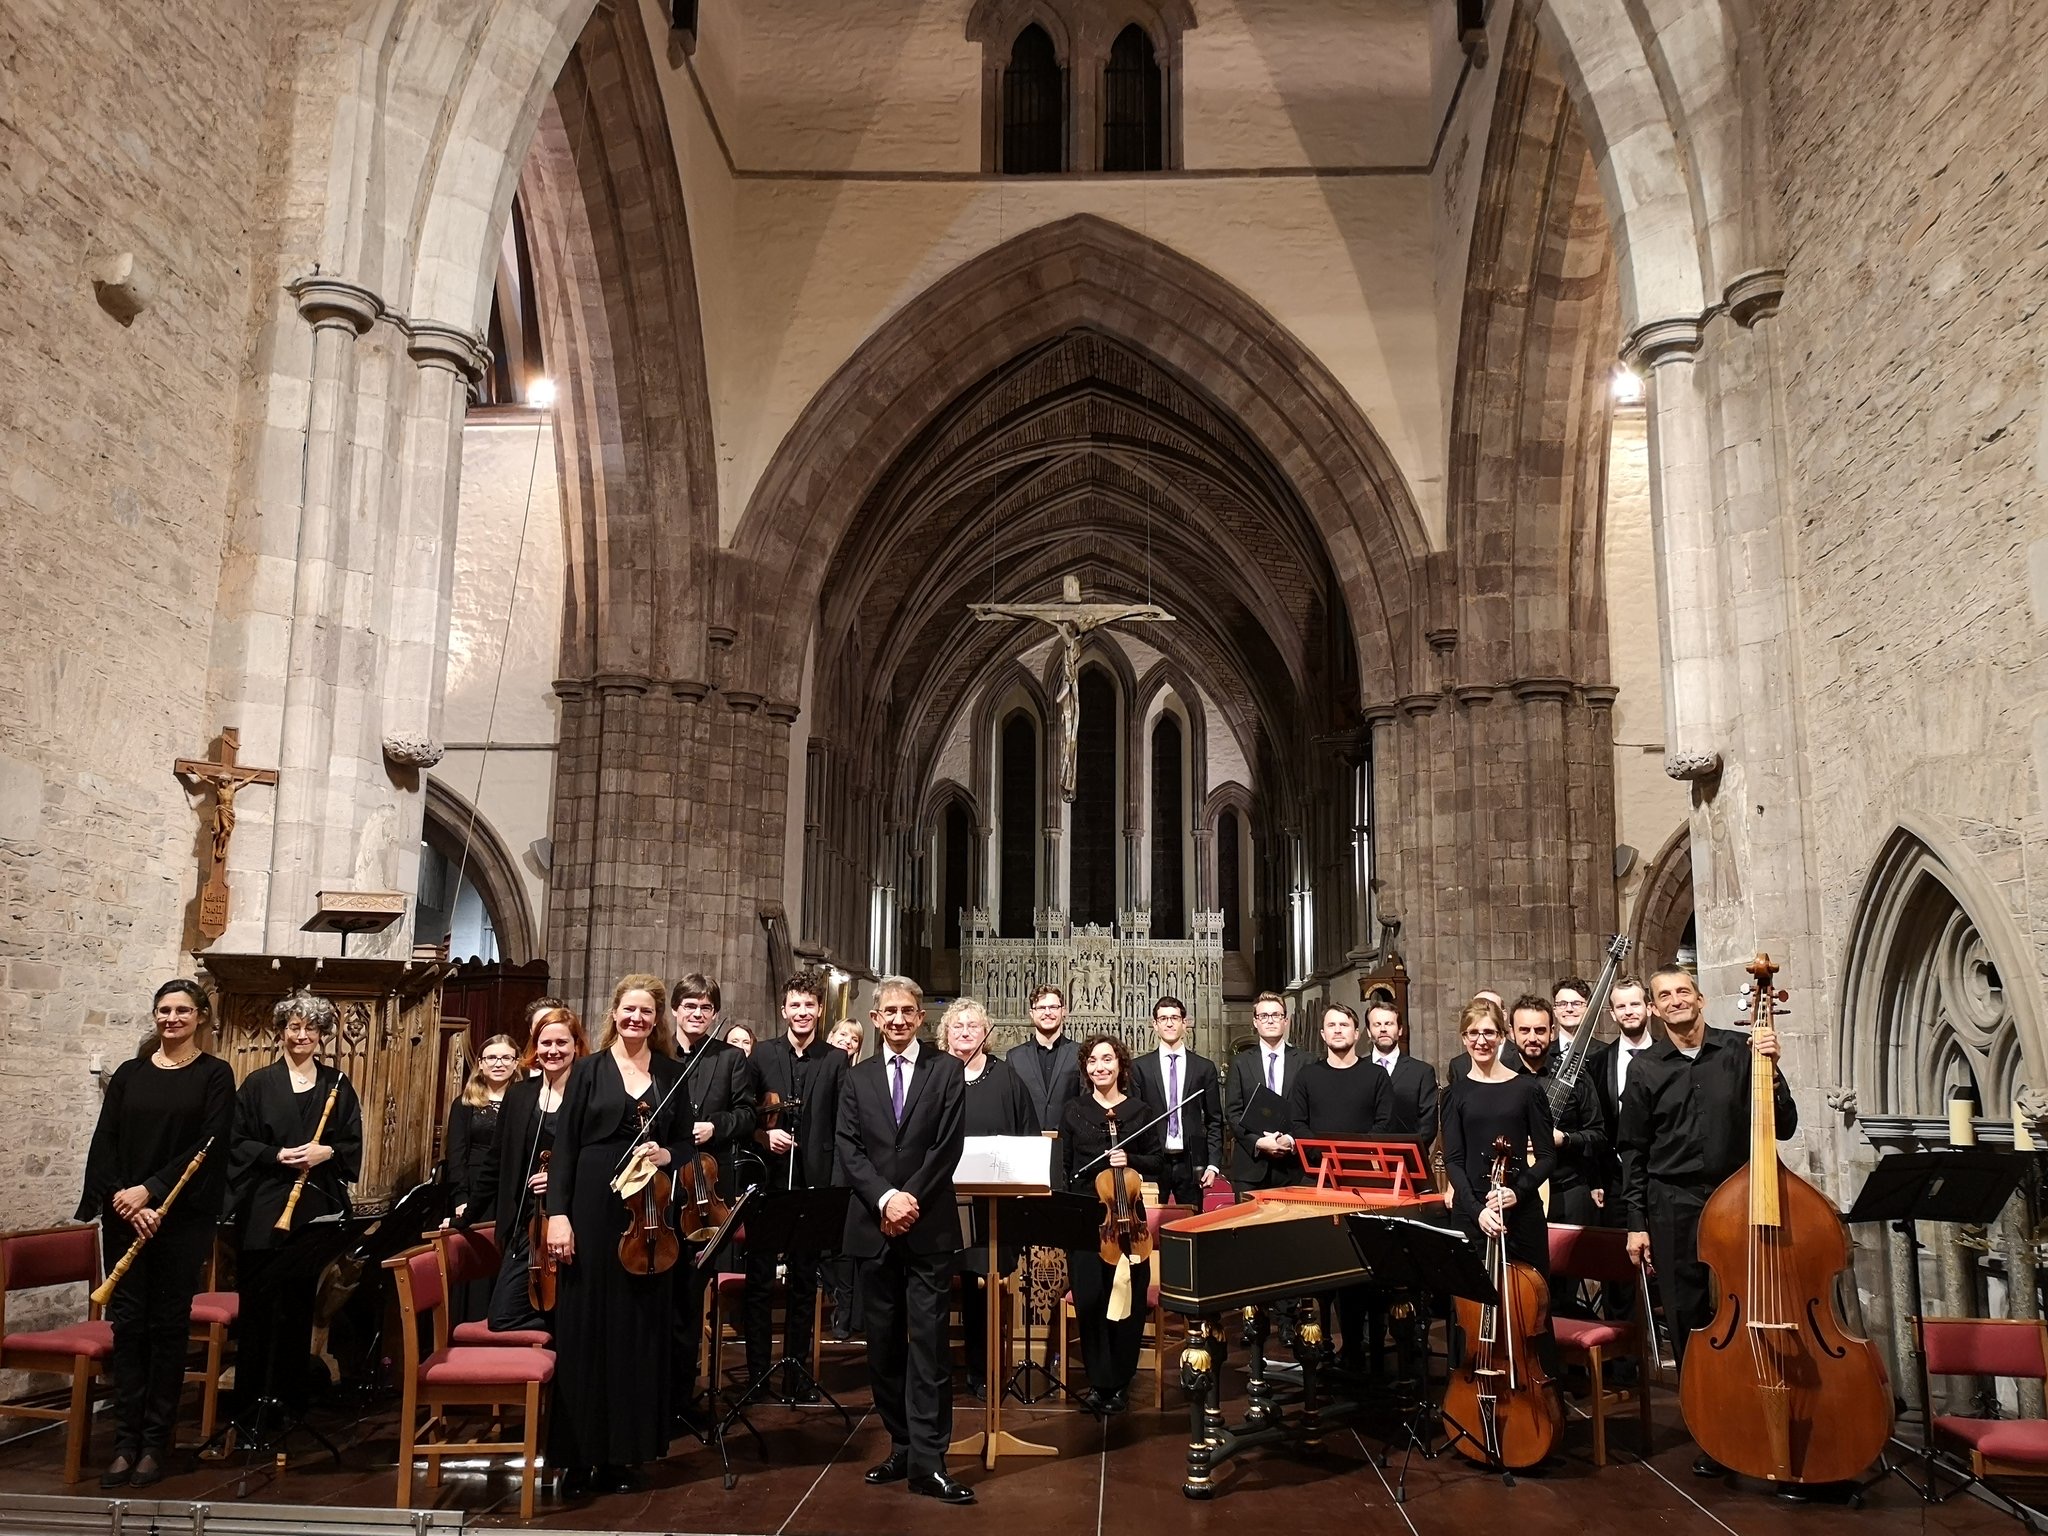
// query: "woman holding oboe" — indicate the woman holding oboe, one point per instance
point(160, 1111)
point(298, 1145)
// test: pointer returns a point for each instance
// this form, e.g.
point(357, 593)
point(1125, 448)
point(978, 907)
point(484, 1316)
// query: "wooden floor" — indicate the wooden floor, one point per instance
point(1121, 1478)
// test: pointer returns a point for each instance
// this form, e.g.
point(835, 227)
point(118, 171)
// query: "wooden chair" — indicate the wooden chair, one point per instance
point(45, 1256)
point(473, 1254)
point(214, 1315)
point(1601, 1254)
point(464, 1376)
point(1983, 1346)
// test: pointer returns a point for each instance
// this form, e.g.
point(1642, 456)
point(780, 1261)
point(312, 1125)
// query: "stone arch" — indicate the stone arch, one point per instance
point(1936, 983)
point(1665, 905)
point(1080, 271)
point(461, 833)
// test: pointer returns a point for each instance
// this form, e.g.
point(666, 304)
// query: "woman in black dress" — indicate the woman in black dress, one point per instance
point(611, 1405)
point(1494, 1101)
point(160, 1108)
point(517, 1177)
point(472, 1137)
point(276, 1114)
point(1109, 1349)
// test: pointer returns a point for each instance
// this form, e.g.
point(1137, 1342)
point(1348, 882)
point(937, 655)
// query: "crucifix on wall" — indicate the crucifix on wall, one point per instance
point(228, 778)
point(1072, 620)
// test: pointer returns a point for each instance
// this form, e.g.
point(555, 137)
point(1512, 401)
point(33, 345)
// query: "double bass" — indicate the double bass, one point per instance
point(1499, 1406)
point(1776, 1387)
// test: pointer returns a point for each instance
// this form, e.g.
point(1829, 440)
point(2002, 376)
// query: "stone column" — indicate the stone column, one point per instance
point(1546, 777)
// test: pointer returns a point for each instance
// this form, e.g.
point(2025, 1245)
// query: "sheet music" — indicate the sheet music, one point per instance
point(1023, 1161)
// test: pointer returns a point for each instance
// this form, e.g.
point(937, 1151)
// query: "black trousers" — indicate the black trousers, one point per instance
point(903, 1298)
point(686, 1346)
point(1685, 1286)
point(1108, 1350)
point(800, 1285)
point(1181, 1182)
point(151, 1314)
point(273, 1337)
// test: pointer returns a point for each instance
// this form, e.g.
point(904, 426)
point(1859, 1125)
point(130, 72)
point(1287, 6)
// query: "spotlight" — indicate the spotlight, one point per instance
point(541, 394)
point(1628, 386)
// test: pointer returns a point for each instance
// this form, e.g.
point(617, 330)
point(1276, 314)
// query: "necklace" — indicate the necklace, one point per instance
point(162, 1059)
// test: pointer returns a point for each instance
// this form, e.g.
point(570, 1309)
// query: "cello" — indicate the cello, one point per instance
point(1499, 1407)
point(1758, 1379)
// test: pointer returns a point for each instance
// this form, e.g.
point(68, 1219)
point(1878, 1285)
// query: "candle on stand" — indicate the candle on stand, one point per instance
point(1962, 1116)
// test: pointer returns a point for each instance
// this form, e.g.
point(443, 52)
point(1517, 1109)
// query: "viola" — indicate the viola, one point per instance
point(543, 1269)
point(1126, 1234)
point(649, 1245)
point(704, 1212)
point(1777, 1363)
point(1499, 1407)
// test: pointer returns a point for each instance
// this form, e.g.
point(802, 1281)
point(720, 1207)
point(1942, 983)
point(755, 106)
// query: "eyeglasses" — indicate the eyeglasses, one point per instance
point(1482, 1034)
point(1270, 1018)
point(1046, 1007)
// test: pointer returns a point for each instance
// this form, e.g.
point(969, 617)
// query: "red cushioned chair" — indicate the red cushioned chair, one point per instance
point(30, 1260)
point(1983, 1346)
point(485, 1376)
point(214, 1314)
point(1601, 1254)
point(473, 1254)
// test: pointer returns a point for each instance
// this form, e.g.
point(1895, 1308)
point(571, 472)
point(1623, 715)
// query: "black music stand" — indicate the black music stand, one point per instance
point(805, 1221)
point(1432, 1261)
point(1960, 1184)
point(264, 1428)
point(1063, 1220)
point(706, 1257)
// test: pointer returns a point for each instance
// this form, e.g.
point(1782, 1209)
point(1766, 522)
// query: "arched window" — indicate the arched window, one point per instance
point(1133, 106)
point(513, 334)
point(1230, 881)
point(1017, 899)
point(1169, 888)
point(953, 869)
point(1034, 107)
point(1094, 858)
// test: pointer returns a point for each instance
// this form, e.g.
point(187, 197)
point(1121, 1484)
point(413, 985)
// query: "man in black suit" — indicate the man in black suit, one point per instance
point(1049, 1062)
point(1413, 1081)
point(1628, 1003)
point(1194, 1134)
point(801, 1069)
point(902, 1120)
point(719, 1086)
point(1269, 1062)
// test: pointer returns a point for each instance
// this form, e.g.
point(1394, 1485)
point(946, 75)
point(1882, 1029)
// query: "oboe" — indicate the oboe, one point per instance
point(284, 1220)
point(106, 1287)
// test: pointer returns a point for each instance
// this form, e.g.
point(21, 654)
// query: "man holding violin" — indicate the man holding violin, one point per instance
point(719, 1086)
point(798, 1077)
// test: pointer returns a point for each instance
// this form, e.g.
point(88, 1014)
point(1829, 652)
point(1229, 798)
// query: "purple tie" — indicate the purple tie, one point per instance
point(1273, 1070)
point(1173, 1095)
point(896, 1088)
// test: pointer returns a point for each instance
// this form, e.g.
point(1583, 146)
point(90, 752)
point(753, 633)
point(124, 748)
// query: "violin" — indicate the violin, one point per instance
point(770, 1113)
point(1499, 1408)
point(1126, 1235)
point(704, 1212)
point(543, 1269)
point(1777, 1363)
point(649, 1245)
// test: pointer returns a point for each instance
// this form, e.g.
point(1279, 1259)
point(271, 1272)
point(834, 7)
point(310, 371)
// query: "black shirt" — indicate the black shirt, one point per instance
point(1084, 1137)
point(152, 1120)
point(1475, 1117)
point(998, 1103)
point(1686, 1121)
point(1357, 1100)
point(810, 1077)
point(1582, 1156)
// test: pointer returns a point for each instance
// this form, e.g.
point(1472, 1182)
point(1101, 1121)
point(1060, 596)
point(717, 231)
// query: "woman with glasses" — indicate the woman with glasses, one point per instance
point(1493, 1101)
point(467, 1150)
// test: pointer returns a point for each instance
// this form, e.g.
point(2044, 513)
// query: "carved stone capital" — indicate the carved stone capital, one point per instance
point(407, 750)
point(434, 345)
point(1414, 704)
point(1691, 767)
point(571, 688)
point(1843, 1102)
point(609, 684)
point(1444, 638)
point(1531, 690)
point(1600, 695)
point(782, 711)
point(1663, 341)
point(741, 702)
point(1473, 693)
point(329, 302)
point(721, 636)
point(691, 690)
point(1379, 714)
point(1755, 295)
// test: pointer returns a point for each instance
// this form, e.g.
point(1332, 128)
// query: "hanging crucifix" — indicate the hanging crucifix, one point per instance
point(227, 778)
point(1072, 619)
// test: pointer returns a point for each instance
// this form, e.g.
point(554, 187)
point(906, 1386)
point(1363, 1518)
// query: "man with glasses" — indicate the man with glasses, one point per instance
point(1267, 1161)
point(1194, 1131)
point(1568, 1000)
point(1049, 1063)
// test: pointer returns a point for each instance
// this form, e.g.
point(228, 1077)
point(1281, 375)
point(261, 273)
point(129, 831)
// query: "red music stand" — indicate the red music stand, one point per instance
point(1383, 1169)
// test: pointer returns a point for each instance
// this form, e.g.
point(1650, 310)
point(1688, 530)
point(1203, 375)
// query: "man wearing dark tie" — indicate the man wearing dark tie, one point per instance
point(1194, 1131)
point(1266, 1162)
point(902, 1120)
point(1413, 1081)
point(1048, 1062)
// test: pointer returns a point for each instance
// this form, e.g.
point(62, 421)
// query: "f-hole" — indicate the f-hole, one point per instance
point(1734, 1322)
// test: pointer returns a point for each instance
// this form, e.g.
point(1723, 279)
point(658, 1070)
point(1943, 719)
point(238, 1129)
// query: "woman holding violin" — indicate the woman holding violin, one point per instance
point(610, 1413)
point(514, 1184)
point(1107, 1155)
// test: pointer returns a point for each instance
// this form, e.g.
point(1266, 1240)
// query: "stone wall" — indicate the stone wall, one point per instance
point(1911, 141)
point(151, 135)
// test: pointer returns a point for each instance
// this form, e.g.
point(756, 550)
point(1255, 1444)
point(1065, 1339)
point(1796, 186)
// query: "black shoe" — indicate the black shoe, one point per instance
point(894, 1470)
point(1094, 1402)
point(936, 1485)
point(576, 1483)
point(1116, 1402)
point(976, 1386)
point(802, 1397)
point(148, 1471)
point(616, 1480)
point(1704, 1465)
point(118, 1472)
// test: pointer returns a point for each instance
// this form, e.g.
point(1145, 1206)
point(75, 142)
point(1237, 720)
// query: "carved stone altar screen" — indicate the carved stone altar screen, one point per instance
point(1111, 978)
point(407, 1062)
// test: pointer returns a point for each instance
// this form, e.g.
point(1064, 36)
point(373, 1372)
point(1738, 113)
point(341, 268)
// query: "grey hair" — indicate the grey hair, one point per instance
point(308, 1005)
point(901, 984)
point(959, 1008)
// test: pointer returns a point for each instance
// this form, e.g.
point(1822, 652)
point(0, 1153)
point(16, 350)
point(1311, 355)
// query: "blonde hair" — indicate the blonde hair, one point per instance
point(639, 981)
point(1481, 1008)
point(959, 1008)
point(478, 1089)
